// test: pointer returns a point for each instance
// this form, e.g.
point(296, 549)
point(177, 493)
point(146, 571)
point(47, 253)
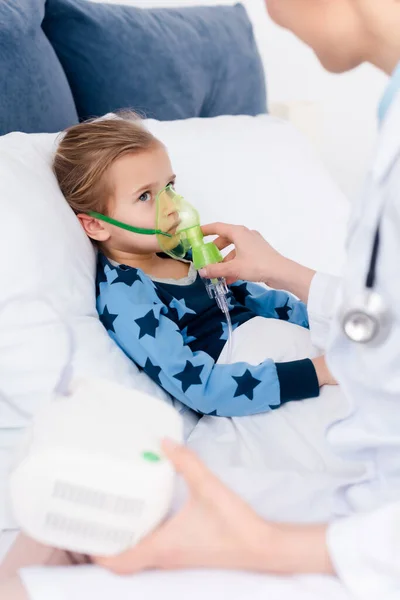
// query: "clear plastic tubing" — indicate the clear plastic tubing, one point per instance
point(217, 289)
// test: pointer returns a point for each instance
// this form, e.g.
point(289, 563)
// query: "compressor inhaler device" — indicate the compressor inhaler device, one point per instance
point(178, 231)
point(93, 479)
point(90, 476)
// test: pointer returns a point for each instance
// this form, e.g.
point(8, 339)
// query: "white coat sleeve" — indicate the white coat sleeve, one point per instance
point(365, 550)
point(321, 307)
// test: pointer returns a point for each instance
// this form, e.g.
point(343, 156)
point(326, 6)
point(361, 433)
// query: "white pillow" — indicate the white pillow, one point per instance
point(257, 171)
point(261, 172)
point(46, 255)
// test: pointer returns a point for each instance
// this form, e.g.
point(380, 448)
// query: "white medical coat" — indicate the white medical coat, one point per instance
point(365, 546)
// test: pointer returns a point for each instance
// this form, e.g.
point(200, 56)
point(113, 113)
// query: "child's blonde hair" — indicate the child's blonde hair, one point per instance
point(86, 153)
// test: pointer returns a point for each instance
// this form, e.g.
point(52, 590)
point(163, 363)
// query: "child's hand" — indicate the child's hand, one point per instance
point(323, 373)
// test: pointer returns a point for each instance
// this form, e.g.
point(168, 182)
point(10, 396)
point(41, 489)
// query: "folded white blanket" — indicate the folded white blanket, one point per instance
point(280, 460)
point(93, 583)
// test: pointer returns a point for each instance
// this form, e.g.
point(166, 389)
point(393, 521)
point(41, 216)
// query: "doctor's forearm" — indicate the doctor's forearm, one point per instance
point(293, 277)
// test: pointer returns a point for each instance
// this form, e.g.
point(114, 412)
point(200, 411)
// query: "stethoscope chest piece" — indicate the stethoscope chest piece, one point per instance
point(367, 320)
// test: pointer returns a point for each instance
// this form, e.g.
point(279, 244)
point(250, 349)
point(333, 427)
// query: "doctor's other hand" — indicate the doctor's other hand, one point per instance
point(254, 259)
point(324, 375)
point(216, 529)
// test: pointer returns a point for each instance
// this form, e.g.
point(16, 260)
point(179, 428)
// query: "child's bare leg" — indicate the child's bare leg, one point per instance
point(13, 589)
point(25, 552)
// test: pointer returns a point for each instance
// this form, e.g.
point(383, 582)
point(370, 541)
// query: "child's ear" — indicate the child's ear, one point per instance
point(94, 228)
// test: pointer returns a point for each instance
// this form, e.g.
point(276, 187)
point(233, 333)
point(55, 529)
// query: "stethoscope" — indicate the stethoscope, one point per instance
point(367, 320)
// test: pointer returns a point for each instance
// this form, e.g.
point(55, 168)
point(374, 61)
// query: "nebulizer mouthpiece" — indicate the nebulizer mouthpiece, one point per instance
point(179, 225)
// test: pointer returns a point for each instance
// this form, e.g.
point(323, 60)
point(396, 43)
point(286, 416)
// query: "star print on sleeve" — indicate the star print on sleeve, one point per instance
point(101, 277)
point(148, 325)
point(187, 337)
point(246, 385)
point(240, 292)
point(189, 376)
point(127, 275)
point(229, 301)
point(283, 311)
point(108, 319)
point(180, 309)
point(153, 371)
point(272, 304)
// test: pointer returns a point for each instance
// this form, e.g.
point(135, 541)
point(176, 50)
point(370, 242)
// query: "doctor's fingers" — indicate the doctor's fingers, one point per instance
point(228, 234)
point(169, 546)
point(215, 528)
point(202, 483)
point(195, 473)
point(174, 545)
point(224, 231)
point(207, 533)
point(223, 244)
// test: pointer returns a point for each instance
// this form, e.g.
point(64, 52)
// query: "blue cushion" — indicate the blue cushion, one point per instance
point(35, 95)
point(165, 63)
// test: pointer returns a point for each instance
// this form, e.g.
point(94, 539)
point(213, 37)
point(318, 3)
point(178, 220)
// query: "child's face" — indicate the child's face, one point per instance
point(334, 29)
point(136, 180)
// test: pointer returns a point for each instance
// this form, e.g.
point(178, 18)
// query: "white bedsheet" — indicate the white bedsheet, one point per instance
point(92, 583)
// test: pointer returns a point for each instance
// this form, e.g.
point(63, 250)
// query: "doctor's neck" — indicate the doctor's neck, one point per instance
point(383, 50)
point(373, 30)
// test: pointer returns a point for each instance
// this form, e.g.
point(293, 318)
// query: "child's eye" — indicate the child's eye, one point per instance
point(145, 197)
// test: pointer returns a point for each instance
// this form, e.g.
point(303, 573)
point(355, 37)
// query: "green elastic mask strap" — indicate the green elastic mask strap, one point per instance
point(126, 226)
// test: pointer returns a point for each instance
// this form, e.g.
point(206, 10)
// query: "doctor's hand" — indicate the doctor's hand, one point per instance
point(217, 529)
point(254, 259)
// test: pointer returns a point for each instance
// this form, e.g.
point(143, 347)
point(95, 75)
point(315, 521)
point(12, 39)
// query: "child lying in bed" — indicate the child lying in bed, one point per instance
point(156, 308)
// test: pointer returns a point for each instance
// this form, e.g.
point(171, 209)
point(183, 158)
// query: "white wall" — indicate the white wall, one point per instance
point(342, 122)
point(347, 104)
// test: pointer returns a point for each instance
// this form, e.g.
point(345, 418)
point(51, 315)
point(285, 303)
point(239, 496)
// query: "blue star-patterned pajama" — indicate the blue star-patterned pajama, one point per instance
point(176, 333)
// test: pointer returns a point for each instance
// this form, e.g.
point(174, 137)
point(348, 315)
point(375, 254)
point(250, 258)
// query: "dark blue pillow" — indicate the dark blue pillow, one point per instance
point(165, 63)
point(34, 95)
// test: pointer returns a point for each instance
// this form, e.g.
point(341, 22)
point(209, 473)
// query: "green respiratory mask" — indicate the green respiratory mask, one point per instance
point(178, 231)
